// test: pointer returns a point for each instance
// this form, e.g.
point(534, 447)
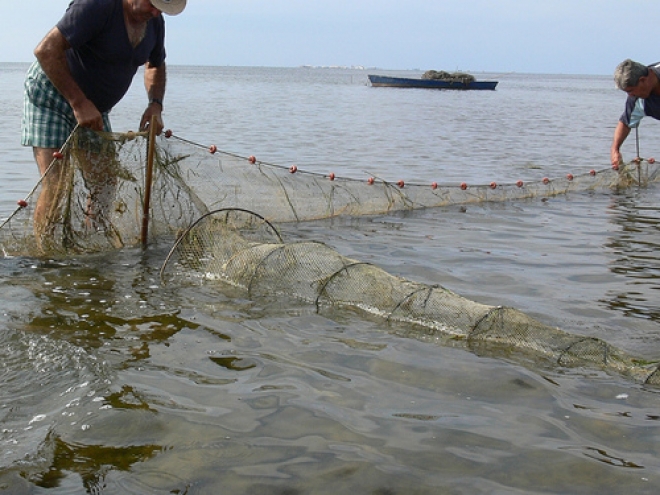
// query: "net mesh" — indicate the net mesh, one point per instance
point(219, 210)
point(91, 198)
point(213, 249)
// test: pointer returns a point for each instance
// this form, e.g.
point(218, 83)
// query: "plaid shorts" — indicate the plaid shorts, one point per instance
point(48, 119)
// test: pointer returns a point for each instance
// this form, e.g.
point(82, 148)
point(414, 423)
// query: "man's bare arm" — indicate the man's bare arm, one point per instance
point(620, 134)
point(155, 79)
point(51, 55)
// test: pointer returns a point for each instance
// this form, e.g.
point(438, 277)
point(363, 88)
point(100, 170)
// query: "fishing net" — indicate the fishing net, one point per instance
point(92, 198)
point(219, 210)
point(243, 250)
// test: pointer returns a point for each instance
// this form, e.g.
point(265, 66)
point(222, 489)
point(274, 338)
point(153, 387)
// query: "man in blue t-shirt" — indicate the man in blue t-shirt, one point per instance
point(84, 66)
point(642, 83)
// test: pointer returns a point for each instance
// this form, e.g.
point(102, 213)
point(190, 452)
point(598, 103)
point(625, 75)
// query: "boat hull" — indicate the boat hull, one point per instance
point(404, 82)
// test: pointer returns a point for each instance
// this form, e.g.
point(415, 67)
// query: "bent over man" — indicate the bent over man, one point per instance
point(642, 83)
point(84, 66)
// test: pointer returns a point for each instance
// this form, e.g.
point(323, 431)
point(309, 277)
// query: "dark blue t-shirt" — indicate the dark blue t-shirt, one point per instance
point(101, 58)
point(637, 108)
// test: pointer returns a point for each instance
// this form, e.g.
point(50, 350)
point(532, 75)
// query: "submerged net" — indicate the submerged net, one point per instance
point(221, 209)
point(243, 250)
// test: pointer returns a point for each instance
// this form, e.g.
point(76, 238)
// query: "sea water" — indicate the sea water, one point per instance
point(113, 382)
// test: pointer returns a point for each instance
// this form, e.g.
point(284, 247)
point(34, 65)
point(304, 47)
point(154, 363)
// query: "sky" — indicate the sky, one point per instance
point(497, 36)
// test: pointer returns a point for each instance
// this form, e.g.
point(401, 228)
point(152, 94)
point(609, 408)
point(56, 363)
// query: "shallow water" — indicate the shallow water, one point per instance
point(114, 382)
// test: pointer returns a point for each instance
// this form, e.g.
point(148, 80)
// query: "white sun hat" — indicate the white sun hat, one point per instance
point(169, 7)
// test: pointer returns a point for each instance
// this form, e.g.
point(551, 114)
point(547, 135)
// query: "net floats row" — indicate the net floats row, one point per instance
point(22, 203)
point(434, 185)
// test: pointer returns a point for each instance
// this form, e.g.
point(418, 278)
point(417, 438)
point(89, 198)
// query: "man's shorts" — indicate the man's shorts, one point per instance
point(48, 119)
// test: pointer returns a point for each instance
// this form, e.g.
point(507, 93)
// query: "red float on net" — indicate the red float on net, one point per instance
point(213, 149)
point(252, 159)
point(293, 169)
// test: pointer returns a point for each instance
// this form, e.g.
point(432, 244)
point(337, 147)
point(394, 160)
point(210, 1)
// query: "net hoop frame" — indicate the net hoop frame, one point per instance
point(183, 235)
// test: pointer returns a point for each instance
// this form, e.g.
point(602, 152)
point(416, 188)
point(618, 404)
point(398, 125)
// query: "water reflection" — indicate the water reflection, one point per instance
point(79, 324)
point(93, 304)
point(91, 462)
point(635, 246)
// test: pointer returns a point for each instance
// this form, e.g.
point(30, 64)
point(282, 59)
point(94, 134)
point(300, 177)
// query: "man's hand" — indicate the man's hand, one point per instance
point(88, 115)
point(620, 134)
point(154, 110)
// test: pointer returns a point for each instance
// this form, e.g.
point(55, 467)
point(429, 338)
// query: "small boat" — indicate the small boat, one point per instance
point(405, 82)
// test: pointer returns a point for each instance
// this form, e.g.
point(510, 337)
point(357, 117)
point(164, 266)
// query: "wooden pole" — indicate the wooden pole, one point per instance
point(151, 151)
